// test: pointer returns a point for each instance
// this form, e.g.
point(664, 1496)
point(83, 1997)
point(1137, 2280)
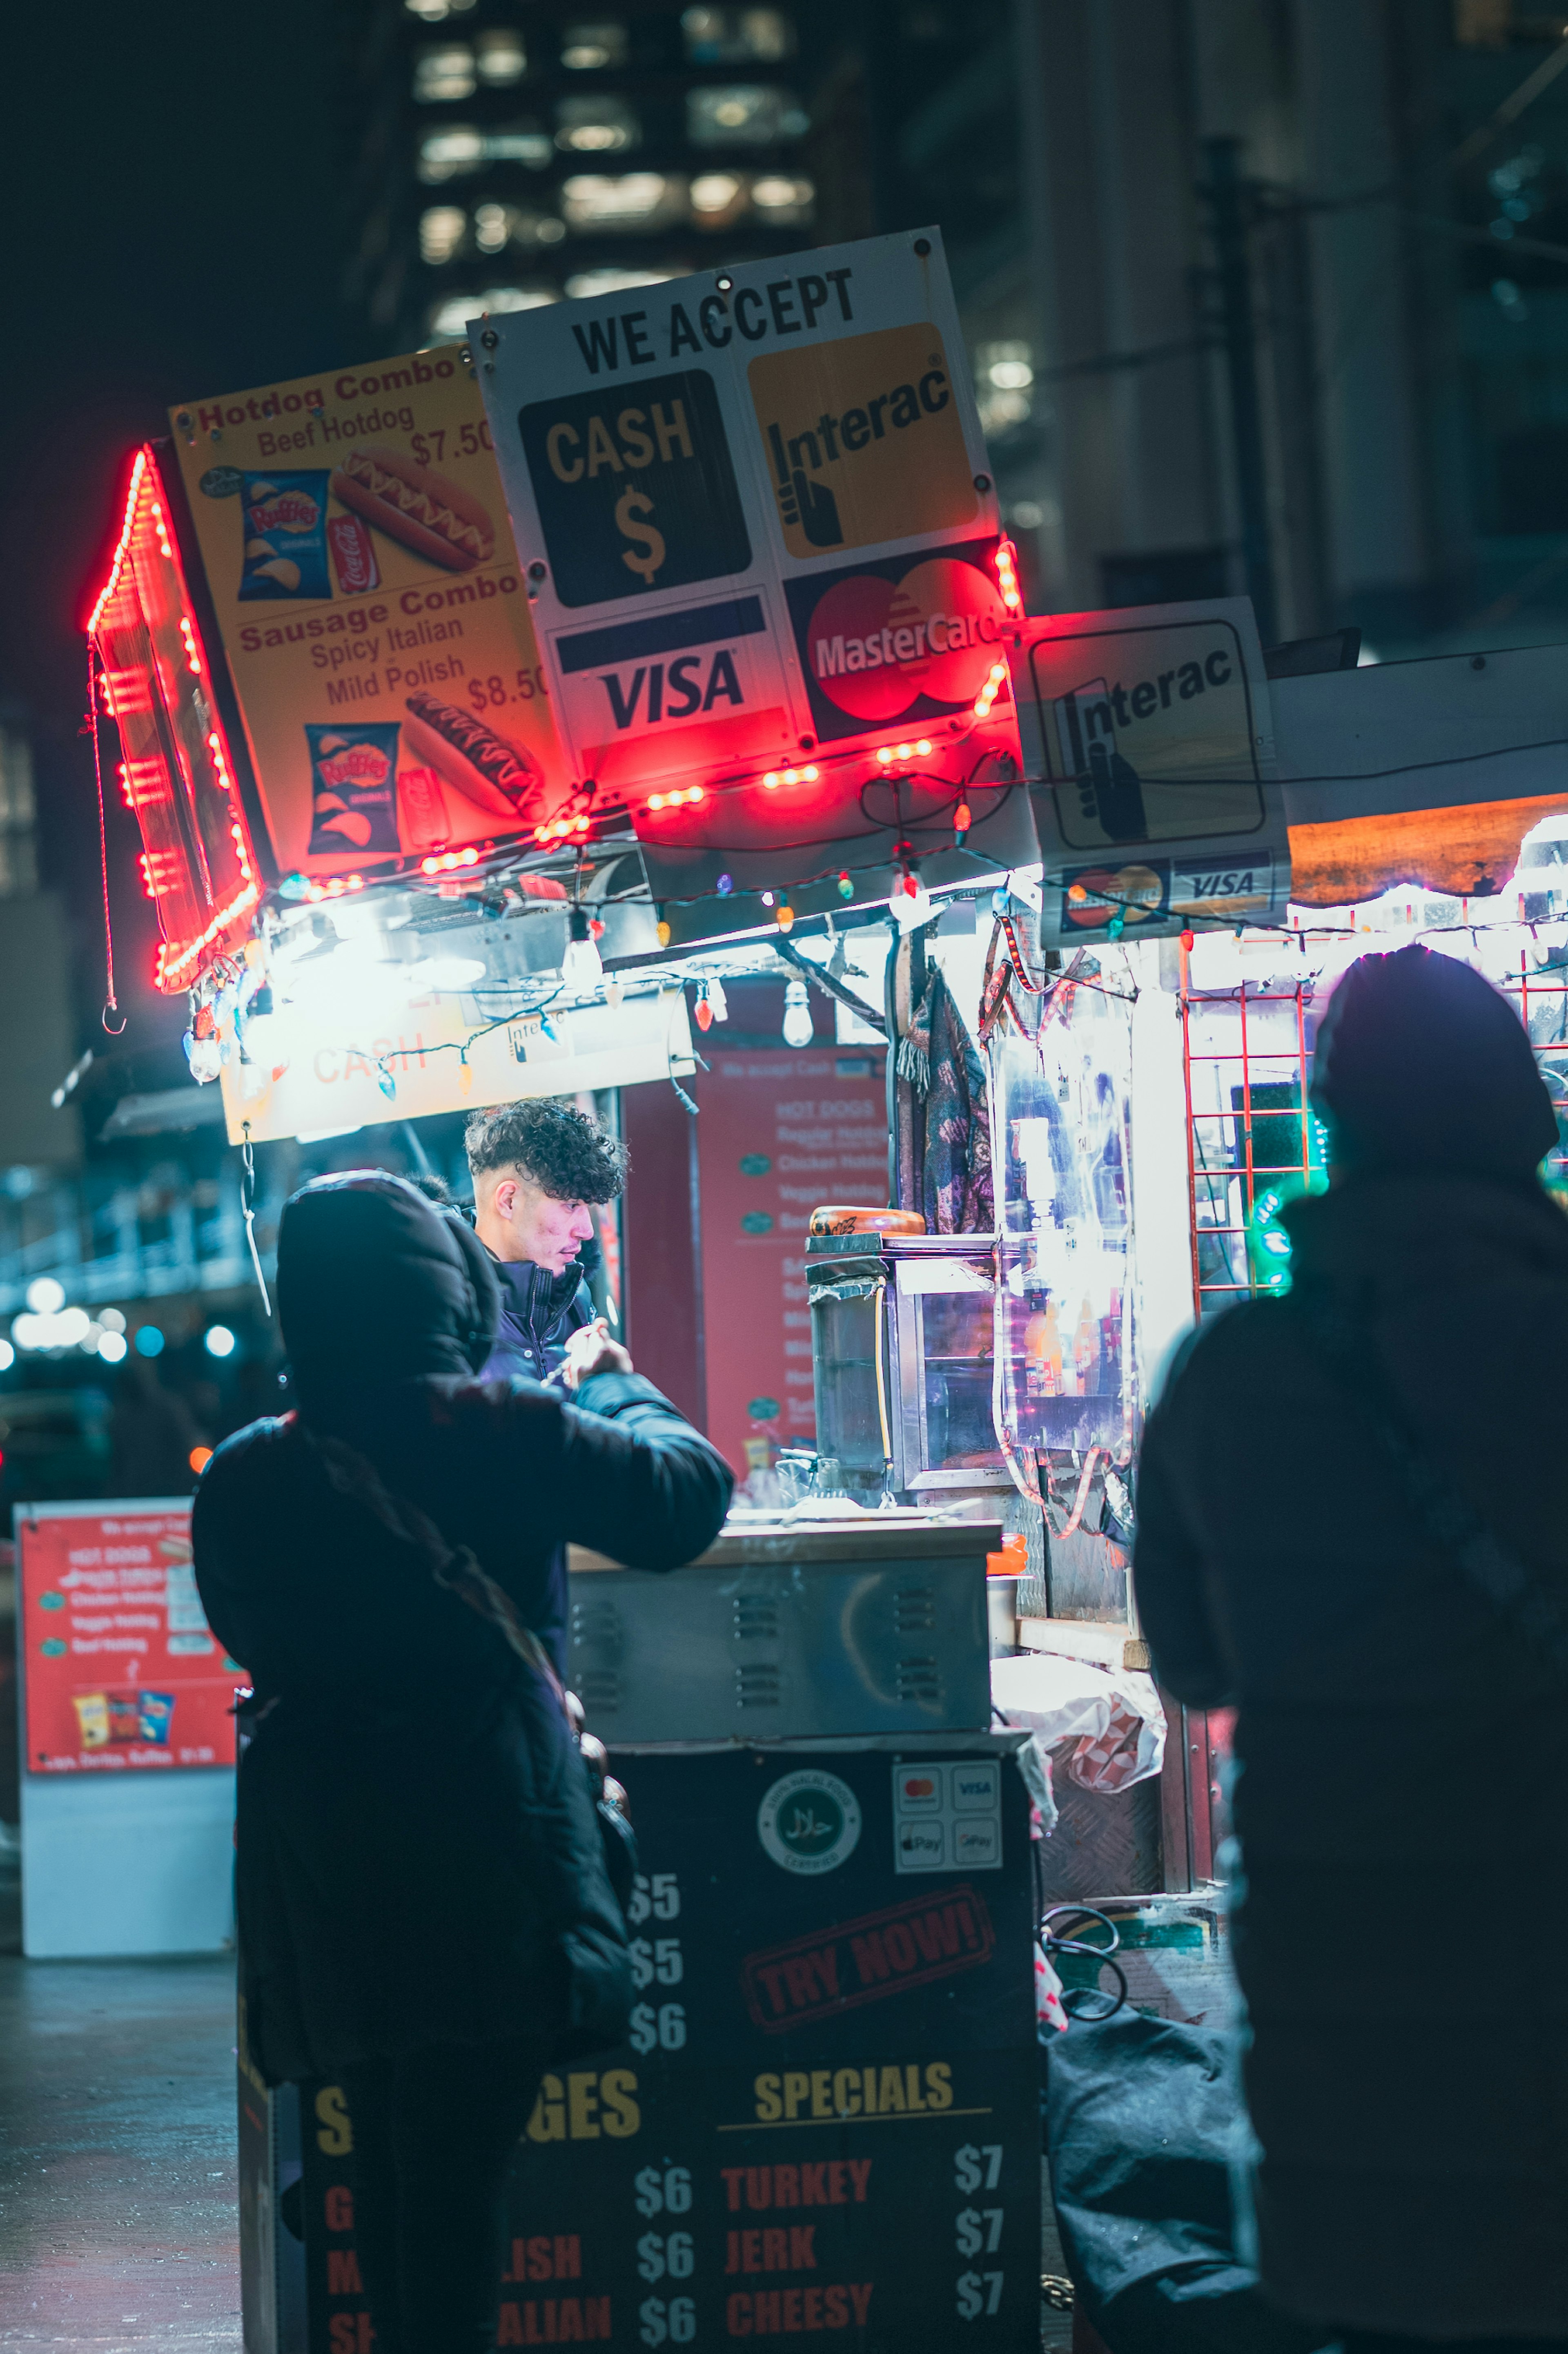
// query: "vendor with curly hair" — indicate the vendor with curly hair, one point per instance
point(539, 1170)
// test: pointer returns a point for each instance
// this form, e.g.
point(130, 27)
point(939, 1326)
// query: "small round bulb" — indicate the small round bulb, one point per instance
point(798, 1031)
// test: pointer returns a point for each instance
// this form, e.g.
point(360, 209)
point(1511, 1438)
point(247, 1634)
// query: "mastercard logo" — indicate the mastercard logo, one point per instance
point(1134, 893)
point(919, 1787)
point(875, 647)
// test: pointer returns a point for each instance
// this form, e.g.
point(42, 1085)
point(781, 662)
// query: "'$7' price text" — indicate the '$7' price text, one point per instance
point(976, 2231)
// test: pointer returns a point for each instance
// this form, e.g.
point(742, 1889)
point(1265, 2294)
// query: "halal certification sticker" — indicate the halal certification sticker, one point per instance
point(810, 1821)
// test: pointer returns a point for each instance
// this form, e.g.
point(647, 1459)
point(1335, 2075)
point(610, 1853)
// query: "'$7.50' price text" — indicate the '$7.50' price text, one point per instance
point(466, 442)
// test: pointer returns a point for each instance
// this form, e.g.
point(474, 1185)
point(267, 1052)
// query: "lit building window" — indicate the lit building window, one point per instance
point(436, 11)
point(595, 126)
point(447, 153)
point(457, 149)
point(451, 314)
point(732, 36)
point(720, 198)
point(519, 145)
point(1004, 374)
point(500, 57)
point(589, 49)
point(744, 115)
point(783, 203)
point(586, 282)
point(496, 227)
point(444, 74)
point(603, 200)
point(441, 230)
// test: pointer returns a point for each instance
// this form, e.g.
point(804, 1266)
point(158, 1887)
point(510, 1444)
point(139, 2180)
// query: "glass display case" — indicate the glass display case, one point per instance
point(902, 1331)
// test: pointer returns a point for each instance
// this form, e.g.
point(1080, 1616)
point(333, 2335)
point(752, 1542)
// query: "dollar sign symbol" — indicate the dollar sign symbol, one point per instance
point(644, 2033)
point(969, 2234)
point(651, 2256)
point(647, 535)
point(650, 2197)
point(650, 2314)
point(966, 2168)
point(971, 2296)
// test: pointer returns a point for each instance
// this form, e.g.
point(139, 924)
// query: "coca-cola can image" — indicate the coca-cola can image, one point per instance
point(353, 555)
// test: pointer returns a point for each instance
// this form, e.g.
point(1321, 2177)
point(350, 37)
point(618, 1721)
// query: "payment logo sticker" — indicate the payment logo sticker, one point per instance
point(864, 440)
point(635, 487)
point(808, 1821)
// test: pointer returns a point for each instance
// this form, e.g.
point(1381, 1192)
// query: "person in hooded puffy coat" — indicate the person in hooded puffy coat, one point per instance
point(425, 1913)
point(1401, 1799)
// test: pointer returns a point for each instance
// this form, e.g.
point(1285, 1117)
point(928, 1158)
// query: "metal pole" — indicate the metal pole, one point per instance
point(1227, 193)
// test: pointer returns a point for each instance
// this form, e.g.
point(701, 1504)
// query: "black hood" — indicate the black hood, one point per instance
point(376, 1284)
point(1422, 1064)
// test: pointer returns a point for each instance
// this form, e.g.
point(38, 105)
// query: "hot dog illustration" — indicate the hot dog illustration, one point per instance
point(428, 512)
point(494, 775)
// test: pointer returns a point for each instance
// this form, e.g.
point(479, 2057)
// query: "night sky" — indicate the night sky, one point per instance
point(171, 224)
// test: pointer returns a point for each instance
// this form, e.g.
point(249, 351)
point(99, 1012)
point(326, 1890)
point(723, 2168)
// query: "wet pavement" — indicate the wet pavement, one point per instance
point(118, 2214)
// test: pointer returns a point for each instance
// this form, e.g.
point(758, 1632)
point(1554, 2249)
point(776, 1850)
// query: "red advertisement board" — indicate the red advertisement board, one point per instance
point(780, 1132)
point(122, 1672)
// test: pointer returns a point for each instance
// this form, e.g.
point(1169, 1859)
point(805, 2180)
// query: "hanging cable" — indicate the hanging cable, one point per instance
point(248, 1211)
point(111, 1004)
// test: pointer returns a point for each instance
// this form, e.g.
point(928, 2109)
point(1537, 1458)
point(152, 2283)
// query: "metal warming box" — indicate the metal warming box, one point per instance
point(902, 1355)
point(870, 1624)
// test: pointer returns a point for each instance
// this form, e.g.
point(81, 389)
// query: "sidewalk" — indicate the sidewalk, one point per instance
point(118, 2228)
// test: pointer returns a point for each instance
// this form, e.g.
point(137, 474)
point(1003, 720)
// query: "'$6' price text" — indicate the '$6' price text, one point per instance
point(656, 1961)
point(665, 2191)
point(976, 2231)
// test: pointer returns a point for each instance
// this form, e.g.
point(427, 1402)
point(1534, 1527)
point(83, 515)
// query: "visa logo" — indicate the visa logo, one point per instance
point(657, 691)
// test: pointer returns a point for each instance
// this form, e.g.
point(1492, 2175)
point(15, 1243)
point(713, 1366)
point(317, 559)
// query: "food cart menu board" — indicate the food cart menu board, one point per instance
point(121, 1673)
point(779, 1133)
point(826, 2121)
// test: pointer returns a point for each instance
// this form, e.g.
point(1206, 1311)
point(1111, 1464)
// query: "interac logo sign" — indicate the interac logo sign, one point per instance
point(864, 440)
point(1149, 749)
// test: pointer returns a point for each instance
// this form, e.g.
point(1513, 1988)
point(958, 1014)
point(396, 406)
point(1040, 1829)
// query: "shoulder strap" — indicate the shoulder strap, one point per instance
point(1347, 1346)
point(456, 1567)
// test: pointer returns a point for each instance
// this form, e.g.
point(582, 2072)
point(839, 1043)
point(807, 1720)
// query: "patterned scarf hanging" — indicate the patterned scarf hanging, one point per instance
point(938, 1057)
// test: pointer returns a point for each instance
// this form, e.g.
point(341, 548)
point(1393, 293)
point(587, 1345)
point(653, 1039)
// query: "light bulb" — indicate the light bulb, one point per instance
point(911, 903)
point(798, 1031)
point(582, 967)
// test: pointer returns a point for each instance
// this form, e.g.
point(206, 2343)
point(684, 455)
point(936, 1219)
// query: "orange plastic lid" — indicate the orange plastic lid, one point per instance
point(836, 1218)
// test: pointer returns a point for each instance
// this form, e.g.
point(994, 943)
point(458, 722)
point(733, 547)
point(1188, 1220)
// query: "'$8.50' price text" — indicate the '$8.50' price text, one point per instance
point(493, 693)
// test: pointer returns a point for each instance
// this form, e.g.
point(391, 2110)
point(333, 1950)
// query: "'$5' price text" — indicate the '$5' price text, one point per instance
point(656, 1962)
point(665, 2191)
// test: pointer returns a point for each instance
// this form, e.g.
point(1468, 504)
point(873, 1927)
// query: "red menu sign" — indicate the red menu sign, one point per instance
point(122, 1670)
point(780, 1133)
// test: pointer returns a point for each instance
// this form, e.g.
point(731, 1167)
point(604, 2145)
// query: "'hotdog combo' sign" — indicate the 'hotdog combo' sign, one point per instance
point(758, 521)
point(353, 535)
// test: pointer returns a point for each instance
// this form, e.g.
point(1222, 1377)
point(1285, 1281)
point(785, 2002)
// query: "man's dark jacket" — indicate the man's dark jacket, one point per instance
point(1402, 1802)
point(418, 1857)
point(539, 1312)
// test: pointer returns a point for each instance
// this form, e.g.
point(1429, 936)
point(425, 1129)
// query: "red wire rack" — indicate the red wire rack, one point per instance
point(1237, 1043)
